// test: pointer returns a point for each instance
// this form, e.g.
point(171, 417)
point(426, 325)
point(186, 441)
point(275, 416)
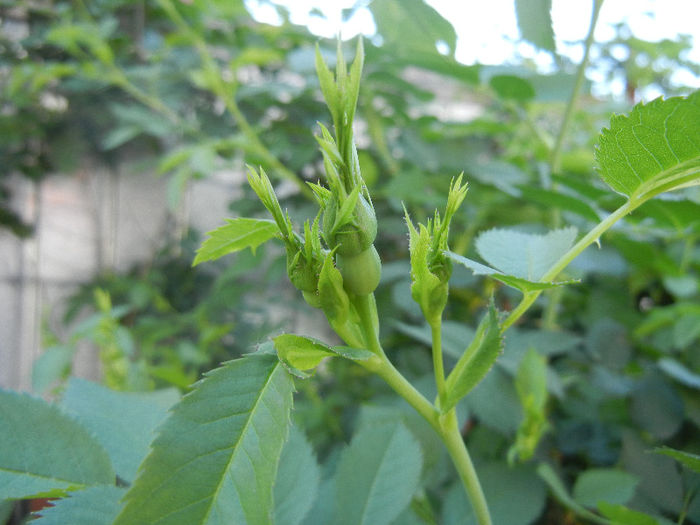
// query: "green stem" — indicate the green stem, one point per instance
point(550, 314)
point(588, 239)
point(454, 442)
point(445, 425)
point(555, 159)
point(438, 365)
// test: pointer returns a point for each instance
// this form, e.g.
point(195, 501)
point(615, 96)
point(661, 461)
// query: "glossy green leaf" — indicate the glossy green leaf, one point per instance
point(123, 422)
point(621, 515)
point(692, 461)
point(654, 148)
point(535, 22)
point(300, 353)
point(478, 358)
point(237, 235)
point(298, 479)
point(604, 484)
point(215, 458)
point(377, 475)
point(92, 506)
point(43, 451)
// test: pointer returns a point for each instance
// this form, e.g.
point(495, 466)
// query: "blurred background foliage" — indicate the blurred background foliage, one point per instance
point(188, 88)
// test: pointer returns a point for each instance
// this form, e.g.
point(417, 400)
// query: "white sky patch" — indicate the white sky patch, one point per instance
point(487, 32)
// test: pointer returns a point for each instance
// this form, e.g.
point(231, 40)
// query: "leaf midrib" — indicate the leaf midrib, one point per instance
point(235, 447)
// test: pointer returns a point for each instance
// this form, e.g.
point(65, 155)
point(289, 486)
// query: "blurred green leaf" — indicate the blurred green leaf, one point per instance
point(604, 484)
point(535, 22)
point(691, 461)
point(510, 87)
point(621, 515)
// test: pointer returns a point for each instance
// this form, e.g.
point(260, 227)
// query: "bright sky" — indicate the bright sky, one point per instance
point(487, 31)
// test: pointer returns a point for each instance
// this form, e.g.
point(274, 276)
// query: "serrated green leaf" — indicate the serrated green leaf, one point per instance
point(298, 479)
point(123, 422)
point(215, 458)
point(524, 255)
point(621, 515)
point(91, 506)
point(692, 461)
point(477, 360)
point(301, 353)
point(43, 451)
point(604, 484)
point(535, 22)
point(377, 475)
point(238, 234)
point(655, 148)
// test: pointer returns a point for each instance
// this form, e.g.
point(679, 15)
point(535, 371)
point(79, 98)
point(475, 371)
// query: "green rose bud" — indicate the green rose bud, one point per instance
point(361, 272)
point(302, 272)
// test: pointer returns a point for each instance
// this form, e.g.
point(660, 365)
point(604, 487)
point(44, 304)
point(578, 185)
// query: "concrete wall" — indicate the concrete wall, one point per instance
point(90, 221)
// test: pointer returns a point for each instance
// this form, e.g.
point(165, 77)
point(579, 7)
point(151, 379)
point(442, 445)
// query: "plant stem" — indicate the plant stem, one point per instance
point(445, 425)
point(438, 365)
point(555, 159)
point(588, 239)
point(452, 438)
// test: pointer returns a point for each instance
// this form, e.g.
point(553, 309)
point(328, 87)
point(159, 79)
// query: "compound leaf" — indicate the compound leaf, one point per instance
point(236, 235)
point(655, 148)
point(44, 452)
point(215, 458)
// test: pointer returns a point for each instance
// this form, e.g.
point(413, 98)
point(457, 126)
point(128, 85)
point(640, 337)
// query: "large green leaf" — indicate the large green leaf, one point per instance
point(44, 451)
point(236, 235)
point(91, 506)
point(215, 458)
point(377, 475)
point(123, 422)
point(655, 148)
point(535, 22)
point(298, 479)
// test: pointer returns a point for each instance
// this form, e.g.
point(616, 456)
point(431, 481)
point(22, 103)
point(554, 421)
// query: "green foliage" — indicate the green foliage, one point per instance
point(189, 473)
point(656, 148)
point(377, 475)
point(237, 235)
point(44, 452)
point(97, 505)
point(189, 88)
